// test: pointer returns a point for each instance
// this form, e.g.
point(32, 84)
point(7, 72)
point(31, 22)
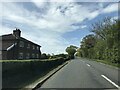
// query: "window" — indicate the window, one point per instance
point(28, 46)
point(37, 55)
point(27, 56)
point(20, 55)
point(37, 48)
point(33, 55)
point(33, 47)
point(21, 44)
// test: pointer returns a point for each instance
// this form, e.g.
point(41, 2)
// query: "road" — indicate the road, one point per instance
point(82, 73)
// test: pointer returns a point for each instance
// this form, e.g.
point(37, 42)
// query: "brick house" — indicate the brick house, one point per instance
point(13, 46)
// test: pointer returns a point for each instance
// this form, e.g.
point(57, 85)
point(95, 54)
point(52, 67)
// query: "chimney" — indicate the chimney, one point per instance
point(17, 33)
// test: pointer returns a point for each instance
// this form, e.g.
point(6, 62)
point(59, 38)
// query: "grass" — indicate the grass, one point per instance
point(109, 63)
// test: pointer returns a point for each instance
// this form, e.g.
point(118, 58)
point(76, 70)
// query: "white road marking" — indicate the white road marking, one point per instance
point(88, 65)
point(110, 81)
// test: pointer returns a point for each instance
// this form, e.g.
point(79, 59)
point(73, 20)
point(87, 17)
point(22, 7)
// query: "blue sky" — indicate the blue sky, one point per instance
point(54, 25)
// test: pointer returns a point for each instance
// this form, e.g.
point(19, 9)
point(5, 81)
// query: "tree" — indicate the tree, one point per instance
point(88, 41)
point(71, 51)
point(44, 56)
point(78, 52)
point(87, 44)
point(108, 41)
point(105, 43)
point(102, 28)
point(48, 55)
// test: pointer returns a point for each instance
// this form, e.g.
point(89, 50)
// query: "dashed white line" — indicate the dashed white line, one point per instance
point(110, 81)
point(88, 65)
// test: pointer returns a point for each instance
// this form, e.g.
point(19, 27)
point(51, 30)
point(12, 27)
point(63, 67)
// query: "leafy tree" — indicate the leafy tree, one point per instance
point(78, 52)
point(87, 44)
point(109, 33)
point(88, 41)
point(105, 43)
point(71, 51)
point(99, 48)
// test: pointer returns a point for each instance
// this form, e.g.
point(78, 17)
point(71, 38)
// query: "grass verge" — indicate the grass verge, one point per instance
point(109, 63)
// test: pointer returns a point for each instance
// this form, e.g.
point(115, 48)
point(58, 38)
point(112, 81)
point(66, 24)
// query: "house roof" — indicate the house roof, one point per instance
point(11, 37)
point(7, 37)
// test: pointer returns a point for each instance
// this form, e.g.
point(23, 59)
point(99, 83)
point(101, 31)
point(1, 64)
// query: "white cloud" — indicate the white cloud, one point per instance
point(111, 8)
point(94, 14)
point(5, 30)
point(50, 26)
point(83, 26)
point(59, 0)
point(101, 4)
point(53, 18)
point(39, 3)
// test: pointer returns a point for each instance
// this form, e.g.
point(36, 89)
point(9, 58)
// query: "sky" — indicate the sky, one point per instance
point(54, 25)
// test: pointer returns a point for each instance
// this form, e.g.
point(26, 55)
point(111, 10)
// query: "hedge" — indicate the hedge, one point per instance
point(18, 74)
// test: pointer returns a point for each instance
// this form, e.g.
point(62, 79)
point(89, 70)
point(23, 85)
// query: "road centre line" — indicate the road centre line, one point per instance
point(110, 81)
point(88, 65)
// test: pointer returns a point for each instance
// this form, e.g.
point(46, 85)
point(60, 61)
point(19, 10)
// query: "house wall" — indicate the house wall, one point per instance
point(18, 52)
point(12, 52)
point(33, 52)
point(4, 55)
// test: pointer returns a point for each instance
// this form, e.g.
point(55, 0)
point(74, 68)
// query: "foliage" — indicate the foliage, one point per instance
point(17, 73)
point(104, 44)
point(63, 56)
point(87, 45)
point(71, 50)
point(44, 56)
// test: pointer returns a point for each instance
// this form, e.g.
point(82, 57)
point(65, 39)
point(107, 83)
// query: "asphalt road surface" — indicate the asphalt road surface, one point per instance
point(82, 73)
